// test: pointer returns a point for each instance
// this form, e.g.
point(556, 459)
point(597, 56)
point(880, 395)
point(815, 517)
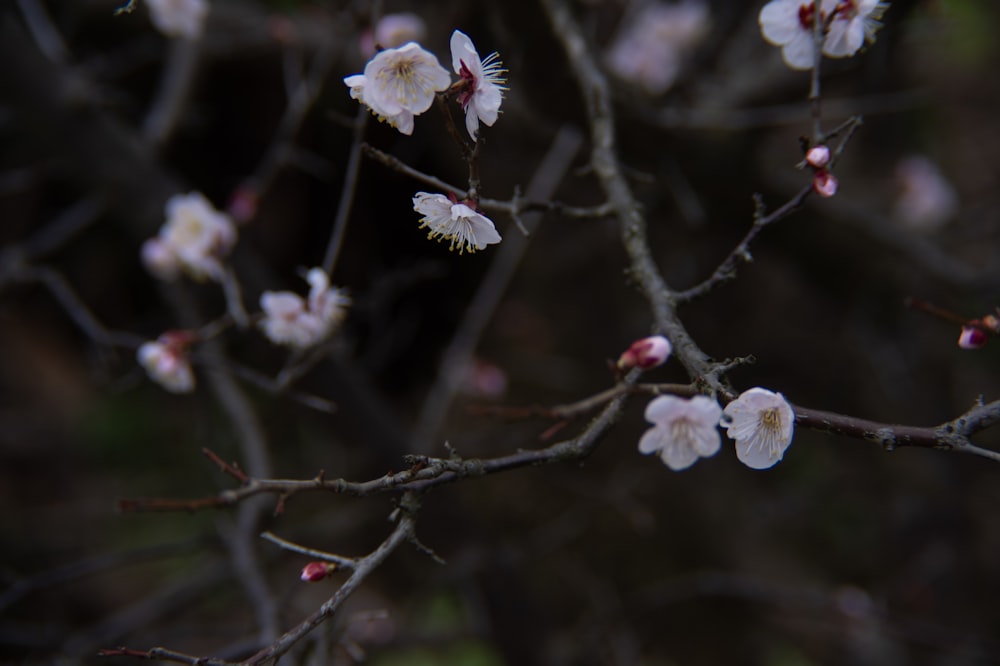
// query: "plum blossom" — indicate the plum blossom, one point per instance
point(683, 430)
point(166, 362)
point(404, 79)
point(178, 18)
point(789, 24)
point(194, 240)
point(926, 200)
point(484, 82)
point(393, 30)
point(855, 22)
point(298, 322)
point(645, 353)
point(457, 222)
point(651, 44)
point(762, 423)
point(818, 156)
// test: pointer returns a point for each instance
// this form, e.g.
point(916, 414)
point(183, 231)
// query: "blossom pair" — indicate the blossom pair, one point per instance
point(848, 23)
point(685, 429)
point(288, 319)
point(400, 83)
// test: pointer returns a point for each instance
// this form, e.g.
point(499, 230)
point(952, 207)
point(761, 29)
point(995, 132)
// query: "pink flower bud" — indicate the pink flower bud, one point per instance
point(825, 183)
point(645, 353)
point(972, 338)
point(317, 571)
point(818, 157)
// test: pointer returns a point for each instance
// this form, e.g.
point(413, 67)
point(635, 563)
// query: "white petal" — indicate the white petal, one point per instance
point(463, 50)
point(779, 21)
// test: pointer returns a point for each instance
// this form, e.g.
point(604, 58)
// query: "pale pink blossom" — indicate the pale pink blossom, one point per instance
point(194, 239)
point(652, 42)
point(926, 200)
point(484, 82)
point(789, 24)
point(166, 362)
point(178, 18)
point(684, 429)
point(762, 423)
point(456, 222)
point(298, 322)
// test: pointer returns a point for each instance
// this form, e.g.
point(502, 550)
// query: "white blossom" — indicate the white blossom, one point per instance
point(855, 22)
point(789, 24)
point(485, 82)
point(178, 18)
point(403, 79)
point(684, 429)
point(166, 362)
point(762, 423)
point(298, 322)
point(448, 220)
point(194, 239)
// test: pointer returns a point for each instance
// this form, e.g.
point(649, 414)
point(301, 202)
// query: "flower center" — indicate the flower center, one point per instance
point(770, 431)
point(807, 14)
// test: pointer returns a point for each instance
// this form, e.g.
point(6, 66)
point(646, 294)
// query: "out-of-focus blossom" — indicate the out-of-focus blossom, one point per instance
point(298, 322)
point(484, 82)
point(762, 423)
point(178, 18)
point(855, 22)
point(972, 337)
point(684, 429)
point(243, 203)
point(448, 220)
point(484, 380)
point(645, 353)
point(926, 200)
point(166, 362)
point(824, 183)
point(393, 30)
point(651, 44)
point(194, 239)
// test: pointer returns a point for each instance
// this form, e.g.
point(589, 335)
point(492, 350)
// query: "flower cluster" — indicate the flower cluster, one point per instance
point(166, 361)
point(298, 322)
point(400, 83)
point(651, 44)
point(848, 23)
point(194, 240)
point(446, 219)
point(178, 18)
point(684, 429)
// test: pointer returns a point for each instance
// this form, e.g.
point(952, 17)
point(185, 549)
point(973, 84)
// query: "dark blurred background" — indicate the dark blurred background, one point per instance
point(841, 554)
